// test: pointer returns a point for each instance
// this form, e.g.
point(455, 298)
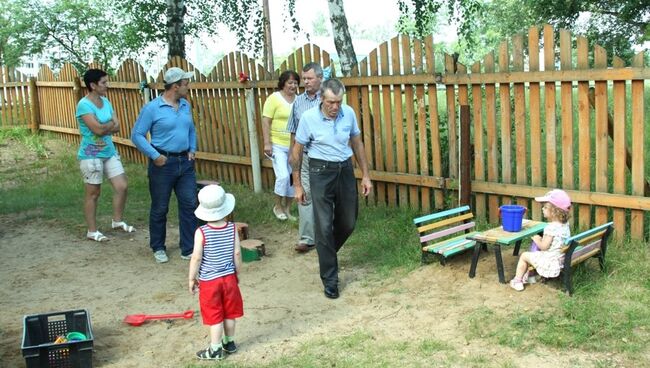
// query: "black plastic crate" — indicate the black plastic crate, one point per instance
point(41, 330)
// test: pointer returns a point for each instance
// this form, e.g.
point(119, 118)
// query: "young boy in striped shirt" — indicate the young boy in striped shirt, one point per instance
point(214, 265)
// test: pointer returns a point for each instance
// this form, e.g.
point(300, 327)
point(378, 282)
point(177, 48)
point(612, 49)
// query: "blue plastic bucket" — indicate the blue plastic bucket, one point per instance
point(511, 217)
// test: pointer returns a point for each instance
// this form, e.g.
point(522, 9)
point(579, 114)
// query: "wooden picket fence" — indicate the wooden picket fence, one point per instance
point(541, 117)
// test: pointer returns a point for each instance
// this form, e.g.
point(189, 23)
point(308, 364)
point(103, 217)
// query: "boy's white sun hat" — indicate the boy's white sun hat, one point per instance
point(214, 203)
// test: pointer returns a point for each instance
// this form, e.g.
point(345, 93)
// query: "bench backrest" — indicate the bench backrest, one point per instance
point(442, 224)
point(588, 243)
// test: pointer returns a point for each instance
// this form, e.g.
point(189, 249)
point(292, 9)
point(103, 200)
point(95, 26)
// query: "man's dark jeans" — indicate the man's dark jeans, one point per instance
point(178, 175)
point(336, 205)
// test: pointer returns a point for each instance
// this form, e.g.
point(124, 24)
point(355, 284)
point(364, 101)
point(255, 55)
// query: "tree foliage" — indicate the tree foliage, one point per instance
point(147, 20)
point(78, 31)
point(12, 45)
point(618, 26)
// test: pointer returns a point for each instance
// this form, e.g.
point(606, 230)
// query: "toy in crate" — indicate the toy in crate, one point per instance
point(58, 340)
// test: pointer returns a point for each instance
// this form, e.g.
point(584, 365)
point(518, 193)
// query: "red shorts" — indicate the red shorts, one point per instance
point(220, 299)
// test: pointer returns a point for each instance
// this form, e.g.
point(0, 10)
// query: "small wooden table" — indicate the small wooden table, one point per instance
point(497, 237)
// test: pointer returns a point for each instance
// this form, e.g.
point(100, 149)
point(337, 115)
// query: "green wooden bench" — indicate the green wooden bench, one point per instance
point(579, 248)
point(444, 234)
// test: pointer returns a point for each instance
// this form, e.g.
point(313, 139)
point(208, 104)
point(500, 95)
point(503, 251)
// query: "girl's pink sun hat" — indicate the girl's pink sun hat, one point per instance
point(558, 198)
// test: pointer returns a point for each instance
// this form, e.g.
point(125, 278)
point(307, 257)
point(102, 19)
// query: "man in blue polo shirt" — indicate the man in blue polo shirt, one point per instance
point(332, 134)
point(168, 119)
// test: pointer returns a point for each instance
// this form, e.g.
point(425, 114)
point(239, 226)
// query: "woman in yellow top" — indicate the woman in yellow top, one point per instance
point(275, 116)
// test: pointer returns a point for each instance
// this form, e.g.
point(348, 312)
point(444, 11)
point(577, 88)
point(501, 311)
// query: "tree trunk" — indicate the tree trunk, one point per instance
point(175, 28)
point(342, 39)
point(268, 44)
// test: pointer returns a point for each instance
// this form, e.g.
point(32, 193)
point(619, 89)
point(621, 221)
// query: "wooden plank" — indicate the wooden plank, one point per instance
point(55, 84)
point(434, 122)
point(506, 119)
point(391, 189)
point(521, 146)
point(399, 120)
point(479, 159)
point(5, 117)
point(566, 93)
point(492, 143)
point(638, 153)
point(425, 193)
point(548, 75)
point(601, 136)
point(445, 222)
point(226, 116)
point(365, 122)
point(534, 104)
point(437, 215)
point(584, 134)
point(549, 108)
point(410, 118)
point(446, 232)
point(620, 150)
point(594, 198)
point(452, 135)
point(375, 139)
point(464, 150)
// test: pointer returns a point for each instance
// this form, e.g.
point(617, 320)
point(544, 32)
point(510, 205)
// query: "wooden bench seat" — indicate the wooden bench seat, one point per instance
point(580, 247)
point(444, 234)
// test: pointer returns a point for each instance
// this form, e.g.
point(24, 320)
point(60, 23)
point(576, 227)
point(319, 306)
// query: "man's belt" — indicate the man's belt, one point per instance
point(170, 154)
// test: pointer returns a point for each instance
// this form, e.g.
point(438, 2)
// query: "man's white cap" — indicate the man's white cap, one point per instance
point(173, 75)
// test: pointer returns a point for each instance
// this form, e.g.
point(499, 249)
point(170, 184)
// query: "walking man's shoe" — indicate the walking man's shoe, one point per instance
point(331, 292)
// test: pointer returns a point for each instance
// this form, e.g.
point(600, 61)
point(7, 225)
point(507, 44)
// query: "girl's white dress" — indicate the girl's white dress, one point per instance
point(548, 263)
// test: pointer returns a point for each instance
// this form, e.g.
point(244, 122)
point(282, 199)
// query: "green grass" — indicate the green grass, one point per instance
point(608, 313)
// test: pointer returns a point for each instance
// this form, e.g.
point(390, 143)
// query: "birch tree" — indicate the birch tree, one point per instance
point(176, 28)
point(342, 38)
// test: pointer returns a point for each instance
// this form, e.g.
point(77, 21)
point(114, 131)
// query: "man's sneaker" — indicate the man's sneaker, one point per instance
point(229, 347)
point(160, 256)
point(209, 354)
point(187, 257)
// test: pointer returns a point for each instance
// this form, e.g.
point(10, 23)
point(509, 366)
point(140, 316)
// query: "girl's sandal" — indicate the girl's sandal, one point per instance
point(122, 225)
point(96, 236)
point(279, 215)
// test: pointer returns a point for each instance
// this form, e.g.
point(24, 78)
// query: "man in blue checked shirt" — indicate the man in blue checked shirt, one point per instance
point(312, 77)
point(168, 119)
point(332, 134)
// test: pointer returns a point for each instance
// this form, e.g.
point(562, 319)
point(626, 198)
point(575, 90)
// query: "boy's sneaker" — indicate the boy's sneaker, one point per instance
point(160, 256)
point(229, 347)
point(209, 354)
point(187, 257)
point(517, 285)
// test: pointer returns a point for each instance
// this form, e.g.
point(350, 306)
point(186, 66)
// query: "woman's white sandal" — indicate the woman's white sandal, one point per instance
point(96, 236)
point(122, 225)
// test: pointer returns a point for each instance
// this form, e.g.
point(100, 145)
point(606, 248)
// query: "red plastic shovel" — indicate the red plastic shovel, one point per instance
point(139, 319)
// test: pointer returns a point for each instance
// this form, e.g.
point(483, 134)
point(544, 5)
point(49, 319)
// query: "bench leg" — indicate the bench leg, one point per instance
point(497, 255)
point(567, 280)
point(475, 254)
point(601, 261)
point(515, 252)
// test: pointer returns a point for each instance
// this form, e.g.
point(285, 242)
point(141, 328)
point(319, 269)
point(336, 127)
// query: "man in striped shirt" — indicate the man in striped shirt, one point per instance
point(312, 76)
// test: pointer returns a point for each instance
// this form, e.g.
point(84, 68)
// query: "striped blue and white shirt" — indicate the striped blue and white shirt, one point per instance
point(301, 104)
point(218, 251)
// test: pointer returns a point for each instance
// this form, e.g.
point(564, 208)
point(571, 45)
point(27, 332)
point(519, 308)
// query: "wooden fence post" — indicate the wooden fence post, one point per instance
point(252, 137)
point(34, 105)
point(465, 179)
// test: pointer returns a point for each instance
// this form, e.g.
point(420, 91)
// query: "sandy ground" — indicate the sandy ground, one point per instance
point(45, 268)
